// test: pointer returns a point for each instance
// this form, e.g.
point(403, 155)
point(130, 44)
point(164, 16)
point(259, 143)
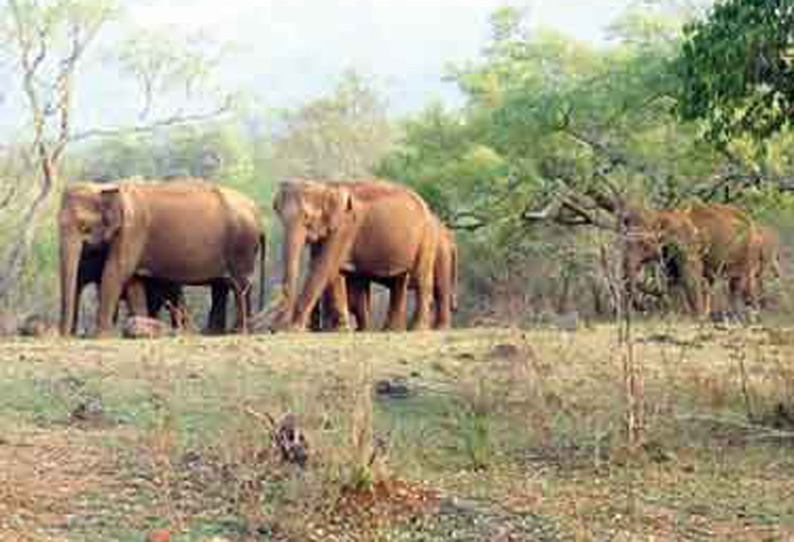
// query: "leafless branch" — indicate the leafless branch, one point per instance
point(173, 120)
point(570, 209)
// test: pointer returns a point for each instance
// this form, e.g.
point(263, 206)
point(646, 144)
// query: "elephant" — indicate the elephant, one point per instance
point(668, 237)
point(149, 230)
point(731, 248)
point(373, 230)
point(445, 285)
point(696, 246)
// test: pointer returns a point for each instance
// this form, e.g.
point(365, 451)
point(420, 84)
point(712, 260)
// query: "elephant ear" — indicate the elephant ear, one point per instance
point(339, 206)
point(112, 209)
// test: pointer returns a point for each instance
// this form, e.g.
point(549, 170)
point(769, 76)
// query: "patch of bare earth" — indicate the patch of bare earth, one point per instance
point(43, 477)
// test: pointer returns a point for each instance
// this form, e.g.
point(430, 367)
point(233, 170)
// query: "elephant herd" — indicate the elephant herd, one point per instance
point(698, 245)
point(142, 241)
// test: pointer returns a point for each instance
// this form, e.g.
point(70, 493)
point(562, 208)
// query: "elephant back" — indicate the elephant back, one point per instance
point(397, 226)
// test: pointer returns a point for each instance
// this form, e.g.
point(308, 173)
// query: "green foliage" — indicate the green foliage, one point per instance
point(220, 151)
point(340, 136)
point(736, 69)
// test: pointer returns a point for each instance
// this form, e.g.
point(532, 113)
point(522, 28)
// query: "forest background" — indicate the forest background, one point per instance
point(679, 102)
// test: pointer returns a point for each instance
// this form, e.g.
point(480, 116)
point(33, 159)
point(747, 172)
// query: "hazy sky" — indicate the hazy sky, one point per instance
point(290, 50)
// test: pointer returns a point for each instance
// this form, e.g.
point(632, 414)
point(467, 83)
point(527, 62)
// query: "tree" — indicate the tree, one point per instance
point(737, 69)
point(335, 137)
point(47, 44)
point(555, 117)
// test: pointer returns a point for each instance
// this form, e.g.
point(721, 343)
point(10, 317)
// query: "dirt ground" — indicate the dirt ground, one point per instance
point(477, 434)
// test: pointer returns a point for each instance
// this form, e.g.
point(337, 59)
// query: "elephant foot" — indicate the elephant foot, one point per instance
point(421, 325)
point(281, 327)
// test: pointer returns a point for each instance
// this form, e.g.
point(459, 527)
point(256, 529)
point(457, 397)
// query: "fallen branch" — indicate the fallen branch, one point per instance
point(764, 431)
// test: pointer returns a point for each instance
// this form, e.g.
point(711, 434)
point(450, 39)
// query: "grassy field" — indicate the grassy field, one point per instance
point(477, 434)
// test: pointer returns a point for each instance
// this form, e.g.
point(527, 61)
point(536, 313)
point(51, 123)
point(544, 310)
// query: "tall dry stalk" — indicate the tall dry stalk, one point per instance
point(361, 433)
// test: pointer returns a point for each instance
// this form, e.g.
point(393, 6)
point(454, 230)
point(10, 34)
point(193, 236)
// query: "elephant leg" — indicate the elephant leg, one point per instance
point(360, 301)
point(743, 296)
point(443, 308)
point(398, 292)
point(172, 295)
point(442, 299)
point(76, 313)
point(216, 320)
point(137, 297)
point(241, 287)
point(697, 293)
point(337, 301)
point(324, 269)
point(114, 277)
point(424, 277)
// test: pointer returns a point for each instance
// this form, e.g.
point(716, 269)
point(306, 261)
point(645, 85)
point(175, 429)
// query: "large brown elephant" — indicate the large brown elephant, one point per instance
point(696, 246)
point(185, 231)
point(667, 237)
point(374, 230)
point(445, 287)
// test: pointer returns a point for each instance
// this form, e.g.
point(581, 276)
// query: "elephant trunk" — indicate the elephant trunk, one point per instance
point(293, 248)
point(631, 270)
point(70, 249)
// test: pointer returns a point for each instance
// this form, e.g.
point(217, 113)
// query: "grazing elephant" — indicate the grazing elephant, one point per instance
point(695, 247)
point(185, 231)
point(668, 237)
point(373, 230)
point(445, 284)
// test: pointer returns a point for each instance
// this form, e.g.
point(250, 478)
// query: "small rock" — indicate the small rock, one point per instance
point(37, 325)
point(392, 388)
point(142, 327)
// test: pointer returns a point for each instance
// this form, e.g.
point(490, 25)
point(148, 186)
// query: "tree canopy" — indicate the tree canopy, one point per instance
point(736, 69)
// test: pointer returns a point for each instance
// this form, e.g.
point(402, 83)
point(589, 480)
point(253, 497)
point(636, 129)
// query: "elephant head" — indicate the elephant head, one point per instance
point(310, 212)
point(90, 215)
point(669, 238)
point(641, 242)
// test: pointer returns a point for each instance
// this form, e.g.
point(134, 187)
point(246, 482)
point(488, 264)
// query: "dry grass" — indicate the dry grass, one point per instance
point(505, 433)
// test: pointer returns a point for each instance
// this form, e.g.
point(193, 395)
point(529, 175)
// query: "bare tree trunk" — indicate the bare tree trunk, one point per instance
point(17, 253)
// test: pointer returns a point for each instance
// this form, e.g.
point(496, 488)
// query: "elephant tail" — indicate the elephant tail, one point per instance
point(454, 278)
point(262, 274)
